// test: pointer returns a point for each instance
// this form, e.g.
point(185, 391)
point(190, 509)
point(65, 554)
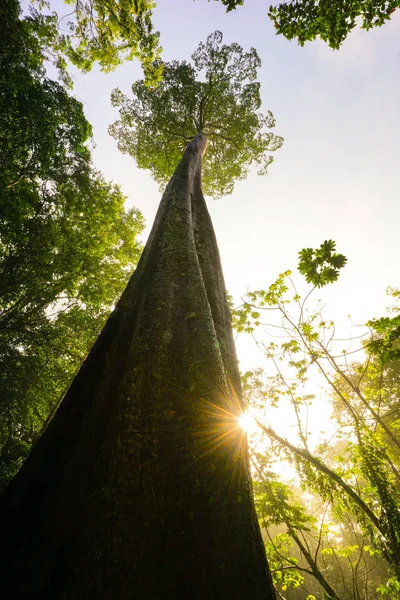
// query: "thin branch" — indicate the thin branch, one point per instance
point(320, 466)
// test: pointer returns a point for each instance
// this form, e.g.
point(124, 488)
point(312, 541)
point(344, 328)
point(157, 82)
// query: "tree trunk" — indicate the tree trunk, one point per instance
point(140, 487)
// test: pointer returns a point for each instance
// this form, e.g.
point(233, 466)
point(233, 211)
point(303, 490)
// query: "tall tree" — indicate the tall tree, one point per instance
point(329, 20)
point(140, 486)
point(217, 95)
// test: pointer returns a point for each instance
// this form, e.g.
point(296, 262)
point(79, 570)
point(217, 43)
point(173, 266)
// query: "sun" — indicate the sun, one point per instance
point(247, 423)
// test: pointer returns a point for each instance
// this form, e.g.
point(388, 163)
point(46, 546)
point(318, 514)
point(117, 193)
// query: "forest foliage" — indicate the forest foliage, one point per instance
point(332, 524)
point(329, 20)
point(103, 32)
point(67, 244)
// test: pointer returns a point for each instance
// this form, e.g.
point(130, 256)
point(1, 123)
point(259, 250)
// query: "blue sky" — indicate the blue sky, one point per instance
point(336, 177)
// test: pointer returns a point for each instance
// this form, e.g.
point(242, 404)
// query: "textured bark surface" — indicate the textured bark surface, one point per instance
point(140, 486)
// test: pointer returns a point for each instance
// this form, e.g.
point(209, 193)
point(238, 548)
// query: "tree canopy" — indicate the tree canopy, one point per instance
point(329, 20)
point(216, 94)
point(106, 32)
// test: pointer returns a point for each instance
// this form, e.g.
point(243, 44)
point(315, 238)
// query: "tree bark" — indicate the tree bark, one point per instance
point(140, 487)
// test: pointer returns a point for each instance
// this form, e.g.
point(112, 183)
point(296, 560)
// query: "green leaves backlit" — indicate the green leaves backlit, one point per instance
point(217, 94)
point(321, 266)
point(330, 20)
point(106, 32)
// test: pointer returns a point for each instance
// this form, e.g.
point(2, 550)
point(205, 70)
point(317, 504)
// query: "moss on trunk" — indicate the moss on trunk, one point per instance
point(140, 487)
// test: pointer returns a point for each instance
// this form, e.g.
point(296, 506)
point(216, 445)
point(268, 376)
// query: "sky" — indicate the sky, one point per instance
point(336, 177)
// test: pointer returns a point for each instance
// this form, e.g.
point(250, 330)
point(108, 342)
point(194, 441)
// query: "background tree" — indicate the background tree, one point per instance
point(311, 551)
point(356, 471)
point(330, 20)
point(315, 547)
point(217, 94)
point(66, 242)
point(106, 32)
point(385, 342)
